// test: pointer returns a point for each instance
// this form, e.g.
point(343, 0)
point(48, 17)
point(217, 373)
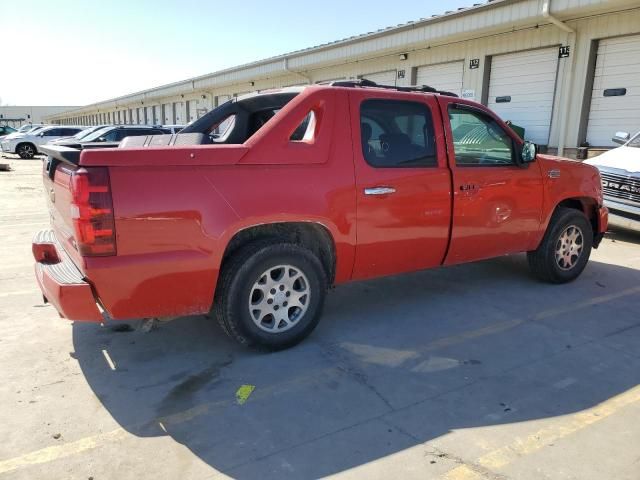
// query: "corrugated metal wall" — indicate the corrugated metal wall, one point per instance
point(503, 27)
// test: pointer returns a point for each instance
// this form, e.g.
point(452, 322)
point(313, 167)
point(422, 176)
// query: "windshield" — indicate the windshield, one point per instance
point(93, 136)
point(35, 130)
point(635, 141)
point(86, 132)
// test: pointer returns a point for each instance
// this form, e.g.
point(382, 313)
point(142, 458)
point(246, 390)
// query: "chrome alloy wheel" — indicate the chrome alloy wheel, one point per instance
point(279, 298)
point(569, 247)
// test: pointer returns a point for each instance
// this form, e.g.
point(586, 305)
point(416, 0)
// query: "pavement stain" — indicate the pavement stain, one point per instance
point(184, 392)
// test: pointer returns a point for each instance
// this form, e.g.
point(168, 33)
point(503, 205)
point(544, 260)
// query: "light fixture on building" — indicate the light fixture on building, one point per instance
point(404, 56)
point(252, 83)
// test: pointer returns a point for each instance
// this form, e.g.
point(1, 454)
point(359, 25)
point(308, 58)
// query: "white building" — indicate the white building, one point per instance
point(568, 71)
point(14, 116)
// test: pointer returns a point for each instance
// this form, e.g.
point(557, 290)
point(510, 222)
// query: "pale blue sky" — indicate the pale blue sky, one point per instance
point(77, 52)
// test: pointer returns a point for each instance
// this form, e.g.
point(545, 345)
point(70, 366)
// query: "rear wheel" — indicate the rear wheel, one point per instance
point(26, 150)
point(271, 295)
point(565, 248)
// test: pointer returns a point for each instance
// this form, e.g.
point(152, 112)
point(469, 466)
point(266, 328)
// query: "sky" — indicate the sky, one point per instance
point(65, 52)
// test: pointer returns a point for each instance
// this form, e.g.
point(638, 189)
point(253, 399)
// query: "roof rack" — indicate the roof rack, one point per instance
point(363, 82)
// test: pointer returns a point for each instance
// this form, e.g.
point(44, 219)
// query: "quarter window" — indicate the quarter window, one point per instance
point(397, 134)
point(478, 140)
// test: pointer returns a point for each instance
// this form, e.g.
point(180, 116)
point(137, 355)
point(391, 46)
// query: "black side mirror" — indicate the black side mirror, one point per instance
point(528, 153)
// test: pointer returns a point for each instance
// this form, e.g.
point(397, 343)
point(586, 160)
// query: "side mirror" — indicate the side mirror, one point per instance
point(621, 138)
point(101, 139)
point(41, 135)
point(529, 152)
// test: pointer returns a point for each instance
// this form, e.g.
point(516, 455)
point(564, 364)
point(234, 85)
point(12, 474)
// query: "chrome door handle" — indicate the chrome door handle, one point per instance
point(379, 191)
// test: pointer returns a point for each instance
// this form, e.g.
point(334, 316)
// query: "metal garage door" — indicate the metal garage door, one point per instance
point(383, 78)
point(191, 110)
point(615, 100)
point(148, 115)
point(521, 89)
point(167, 114)
point(445, 76)
point(220, 99)
point(181, 113)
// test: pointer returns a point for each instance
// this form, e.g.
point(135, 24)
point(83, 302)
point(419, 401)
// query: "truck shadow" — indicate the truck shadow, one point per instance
point(395, 363)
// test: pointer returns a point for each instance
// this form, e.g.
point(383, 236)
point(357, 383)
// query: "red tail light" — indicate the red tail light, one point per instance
point(92, 212)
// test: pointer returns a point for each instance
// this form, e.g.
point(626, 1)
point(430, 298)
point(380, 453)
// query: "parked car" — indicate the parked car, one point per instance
point(6, 130)
point(78, 136)
point(26, 144)
point(28, 127)
point(620, 171)
point(113, 134)
point(301, 189)
point(173, 128)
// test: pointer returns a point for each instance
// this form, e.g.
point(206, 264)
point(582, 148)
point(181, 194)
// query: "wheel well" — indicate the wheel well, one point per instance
point(313, 236)
point(584, 204)
point(26, 143)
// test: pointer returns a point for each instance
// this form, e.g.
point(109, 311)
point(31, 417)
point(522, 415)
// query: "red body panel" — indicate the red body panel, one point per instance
point(177, 208)
point(497, 210)
point(408, 230)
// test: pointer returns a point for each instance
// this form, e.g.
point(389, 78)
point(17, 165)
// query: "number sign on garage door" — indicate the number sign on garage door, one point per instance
point(382, 78)
point(445, 76)
point(615, 99)
point(521, 89)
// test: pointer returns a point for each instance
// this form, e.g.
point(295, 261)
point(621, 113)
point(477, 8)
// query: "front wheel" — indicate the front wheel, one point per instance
point(565, 249)
point(26, 150)
point(270, 295)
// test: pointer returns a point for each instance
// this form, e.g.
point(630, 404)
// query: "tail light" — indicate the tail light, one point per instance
point(92, 212)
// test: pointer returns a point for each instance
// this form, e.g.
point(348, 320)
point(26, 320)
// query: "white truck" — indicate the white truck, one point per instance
point(620, 172)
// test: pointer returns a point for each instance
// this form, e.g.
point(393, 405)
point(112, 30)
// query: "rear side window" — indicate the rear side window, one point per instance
point(397, 134)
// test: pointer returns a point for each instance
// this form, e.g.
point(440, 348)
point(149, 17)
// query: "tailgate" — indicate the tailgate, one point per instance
point(57, 186)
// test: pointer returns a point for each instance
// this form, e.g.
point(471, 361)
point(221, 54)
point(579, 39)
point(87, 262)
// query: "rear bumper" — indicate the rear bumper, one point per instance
point(60, 281)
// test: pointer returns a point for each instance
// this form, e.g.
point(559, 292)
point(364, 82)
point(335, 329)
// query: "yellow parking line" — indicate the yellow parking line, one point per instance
point(521, 447)
point(56, 452)
point(16, 292)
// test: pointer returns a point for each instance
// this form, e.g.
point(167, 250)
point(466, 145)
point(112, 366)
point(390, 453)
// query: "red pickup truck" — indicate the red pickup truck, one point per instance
point(265, 202)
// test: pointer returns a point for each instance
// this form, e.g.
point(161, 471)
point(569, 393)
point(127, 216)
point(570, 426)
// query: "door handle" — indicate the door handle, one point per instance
point(379, 191)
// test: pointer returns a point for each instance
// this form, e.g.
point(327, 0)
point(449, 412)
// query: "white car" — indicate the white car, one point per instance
point(28, 127)
point(26, 144)
point(620, 172)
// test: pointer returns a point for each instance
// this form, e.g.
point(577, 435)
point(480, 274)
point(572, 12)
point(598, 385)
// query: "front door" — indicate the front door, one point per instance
point(497, 204)
point(403, 185)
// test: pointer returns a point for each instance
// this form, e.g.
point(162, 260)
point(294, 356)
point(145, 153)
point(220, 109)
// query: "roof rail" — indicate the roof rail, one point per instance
point(363, 82)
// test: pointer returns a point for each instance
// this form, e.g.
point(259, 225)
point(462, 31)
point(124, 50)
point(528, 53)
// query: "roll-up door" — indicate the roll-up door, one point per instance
point(615, 99)
point(383, 78)
point(191, 110)
point(167, 114)
point(444, 76)
point(521, 89)
point(181, 113)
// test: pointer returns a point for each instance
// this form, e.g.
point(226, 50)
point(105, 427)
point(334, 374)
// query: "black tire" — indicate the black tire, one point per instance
point(26, 150)
point(544, 262)
point(238, 283)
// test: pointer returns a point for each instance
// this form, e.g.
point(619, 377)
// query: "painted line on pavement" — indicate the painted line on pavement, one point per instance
point(50, 454)
point(520, 447)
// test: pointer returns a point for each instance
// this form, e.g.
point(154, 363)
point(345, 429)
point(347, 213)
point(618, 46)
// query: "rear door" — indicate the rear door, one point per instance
point(497, 204)
point(403, 186)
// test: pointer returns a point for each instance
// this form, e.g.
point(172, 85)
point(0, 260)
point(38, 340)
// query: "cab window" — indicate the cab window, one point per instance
point(478, 140)
point(397, 134)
